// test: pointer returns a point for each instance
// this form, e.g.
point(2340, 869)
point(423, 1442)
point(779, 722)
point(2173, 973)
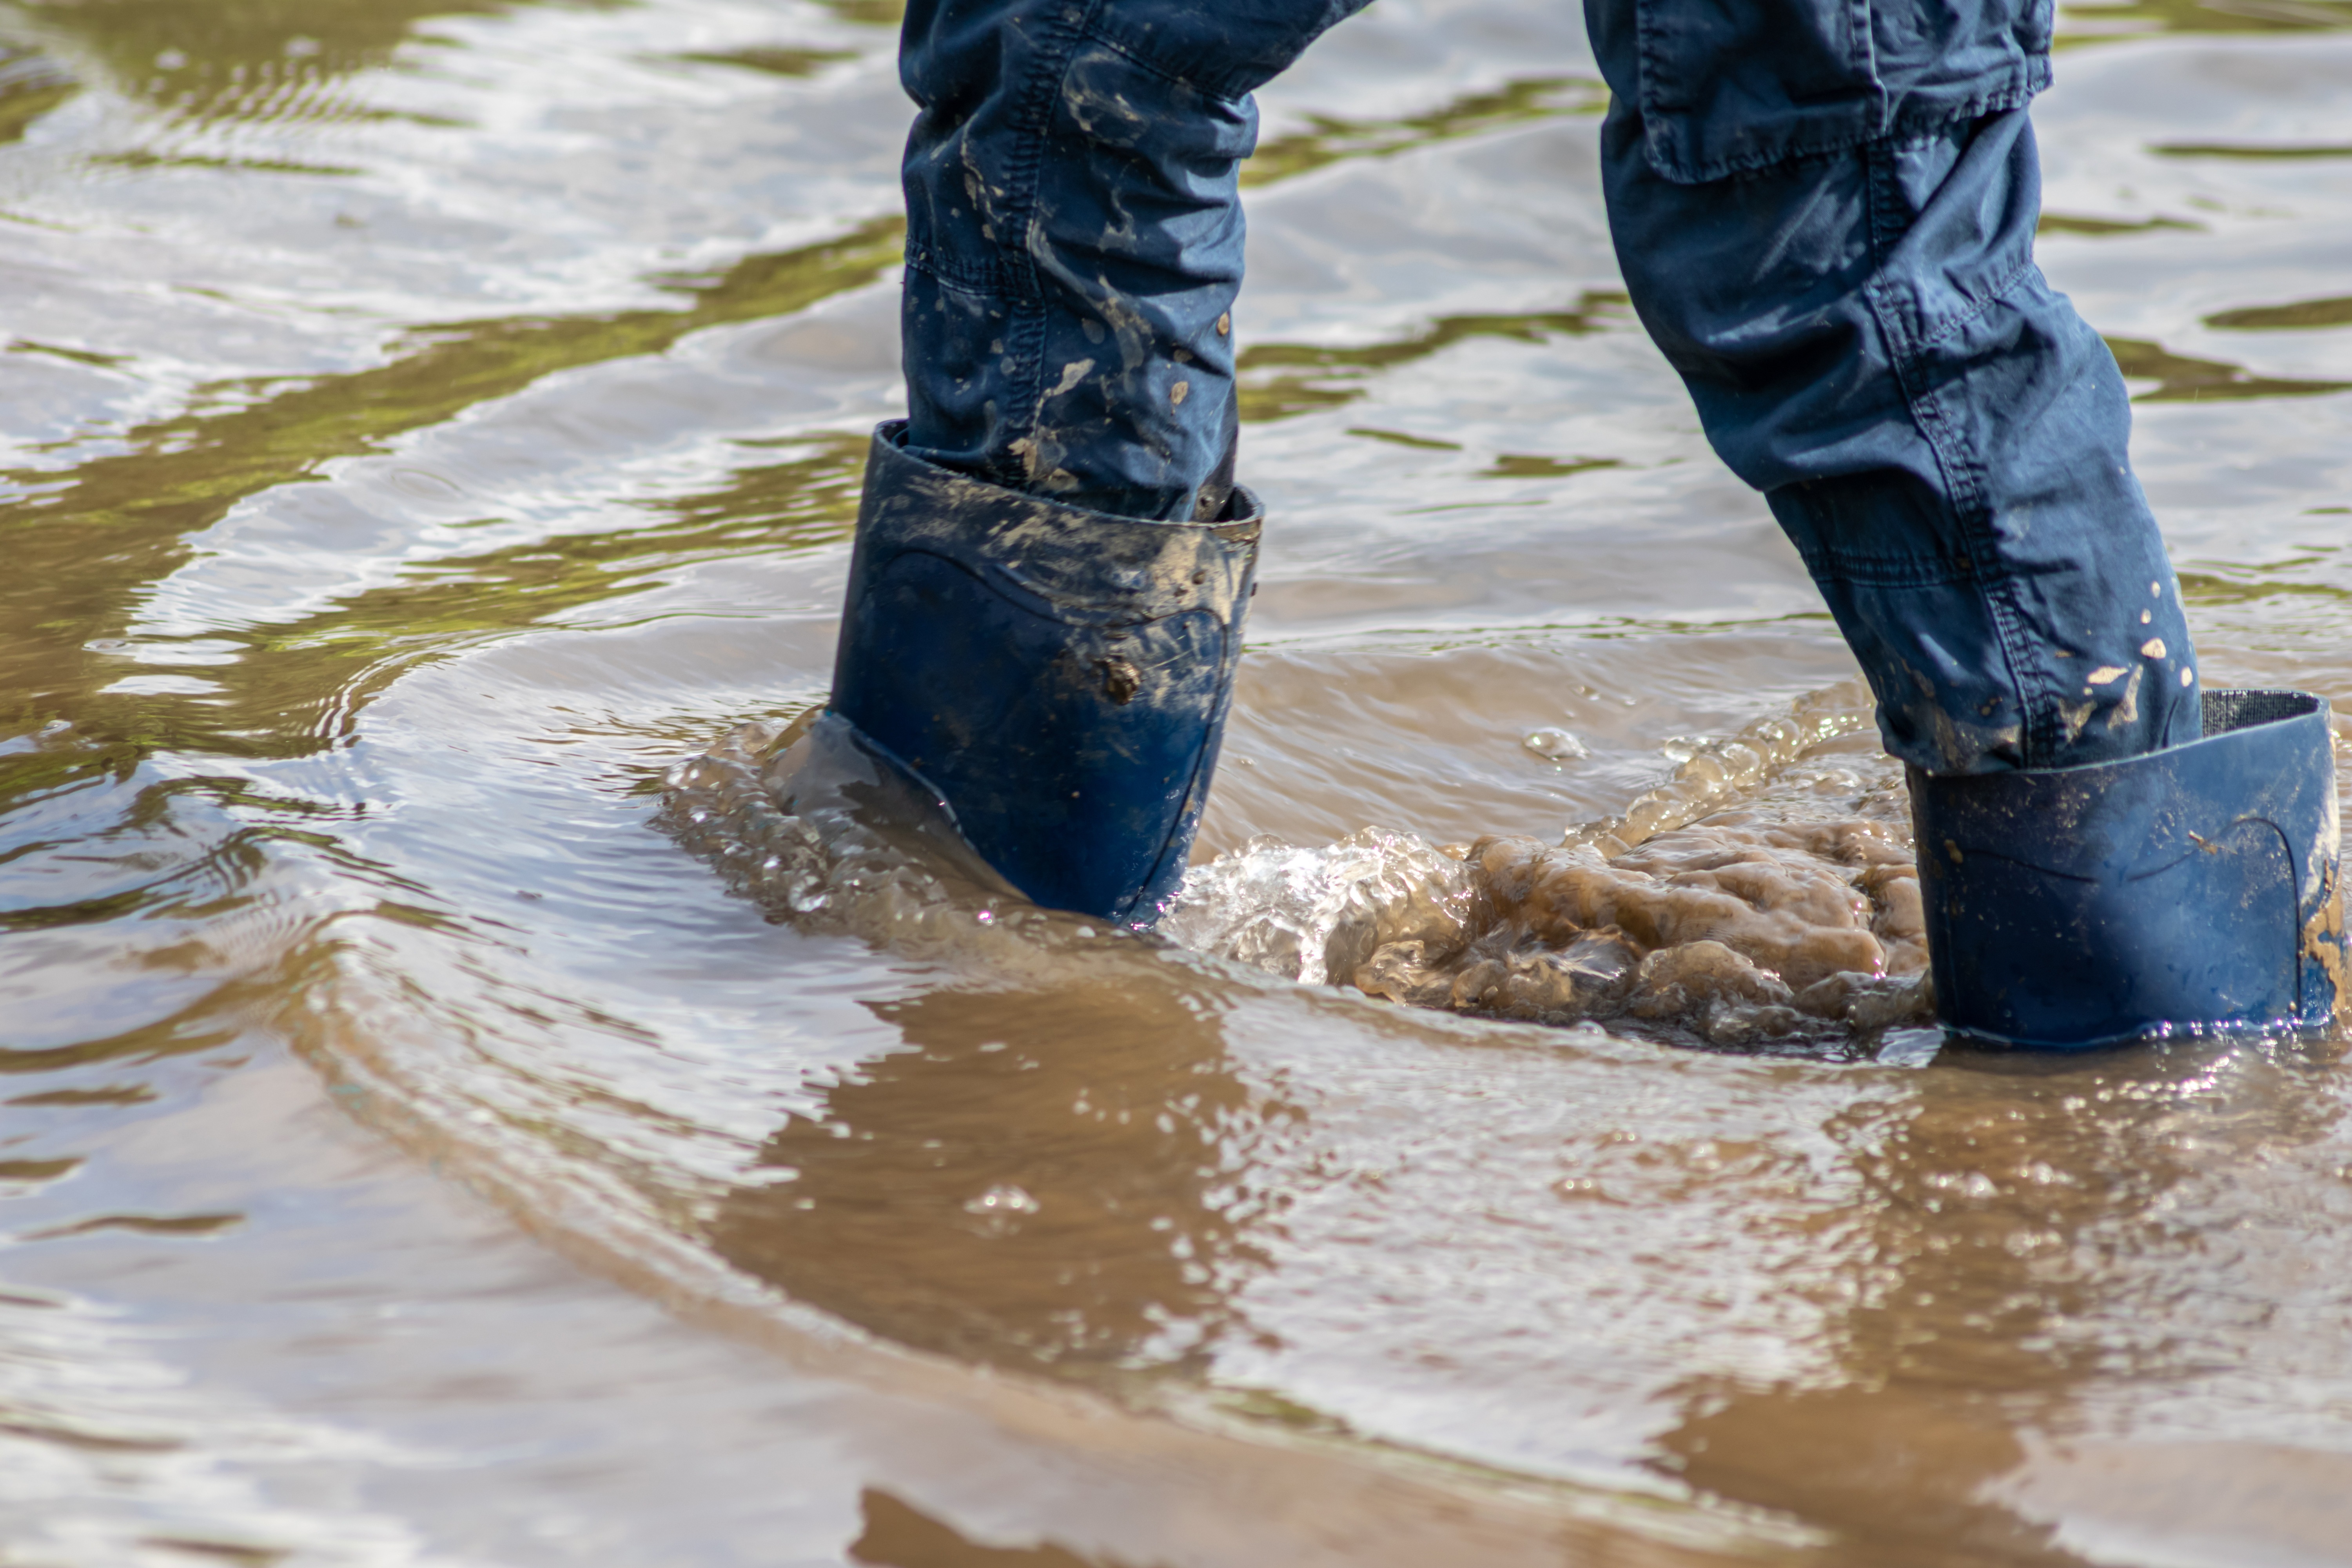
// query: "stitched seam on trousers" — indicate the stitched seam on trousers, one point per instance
point(1996, 586)
point(1096, 33)
point(1010, 270)
point(988, 278)
point(2039, 704)
point(1900, 133)
point(1996, 591)
point(1026, 333)
point(1861, 43)
point(1999, 292)
point(1240, 77)
point(1878, 198)
point(1862, 571)
point(1058, 42)
point(1040, 94)
point(1119, 47)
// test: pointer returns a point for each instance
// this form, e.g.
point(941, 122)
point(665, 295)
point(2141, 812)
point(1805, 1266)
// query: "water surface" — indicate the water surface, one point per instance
point(430, 424)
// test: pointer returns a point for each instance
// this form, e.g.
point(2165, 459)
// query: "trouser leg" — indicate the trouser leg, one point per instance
point(1044, 605)
point(1861, 324)
point(1825, 218)
point(1075, 238)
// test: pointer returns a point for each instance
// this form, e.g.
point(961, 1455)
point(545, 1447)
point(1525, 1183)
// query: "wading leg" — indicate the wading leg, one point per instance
point(1045, 605)
point(1825, 218)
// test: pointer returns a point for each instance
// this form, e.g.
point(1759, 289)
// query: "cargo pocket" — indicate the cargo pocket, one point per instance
point(1727, 86)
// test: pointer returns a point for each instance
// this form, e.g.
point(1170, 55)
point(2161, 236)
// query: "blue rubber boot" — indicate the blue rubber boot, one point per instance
point(2189, 890)
point(1058, 677)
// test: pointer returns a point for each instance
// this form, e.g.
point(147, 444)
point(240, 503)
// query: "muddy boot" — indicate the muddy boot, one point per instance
point(2189, 890)
point(1058, 677)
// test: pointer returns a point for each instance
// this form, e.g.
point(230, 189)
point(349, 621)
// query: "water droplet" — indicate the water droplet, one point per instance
point(1555, 745)
point(1004, 1199)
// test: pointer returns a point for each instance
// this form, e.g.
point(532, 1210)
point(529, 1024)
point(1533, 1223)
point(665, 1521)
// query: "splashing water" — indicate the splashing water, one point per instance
point(1681, 916)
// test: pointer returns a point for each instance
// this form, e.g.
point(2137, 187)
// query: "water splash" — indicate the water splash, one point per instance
point(825, 834)
point(1737, 927)
point(1682, 917)
point(1314, 915)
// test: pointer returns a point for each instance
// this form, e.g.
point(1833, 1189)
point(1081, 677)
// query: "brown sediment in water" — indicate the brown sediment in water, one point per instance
point(1736, 932)
point(381, 538)
point(1741, 929)
point(1709, 910)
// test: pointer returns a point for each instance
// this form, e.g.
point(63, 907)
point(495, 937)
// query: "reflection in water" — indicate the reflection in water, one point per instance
point(1976, 1264)
point(1280, 380)
point(1332, 138)
point(2090, 23)
point(1532, 466)
point(30, 86)
point(2180, 379)
point(1055, 1176)
point(369, 638)
point(770, 59)
point(2304, 313)
point(2221, 583)
point(185, 473)
point(808, 500)
point(2101, 227)
point(245, 59)
point(867, 13)
point(2288, 151)
point(898, 1536)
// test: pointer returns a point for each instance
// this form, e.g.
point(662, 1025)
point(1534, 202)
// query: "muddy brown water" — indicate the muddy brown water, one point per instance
point(429, 427)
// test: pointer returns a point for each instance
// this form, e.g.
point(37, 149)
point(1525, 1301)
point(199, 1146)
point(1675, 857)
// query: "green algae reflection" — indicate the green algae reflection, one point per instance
point(769, 61)
point(1279, 381)
point(31, 85)
point(1329, 139)
point(2305, 313)
point(1535, 466)
point(2108, 24)
point(2108, 228)
point(2254, 152)
point(2180, 379)
point(246, 60)
point(323, 667)
point(84, 546)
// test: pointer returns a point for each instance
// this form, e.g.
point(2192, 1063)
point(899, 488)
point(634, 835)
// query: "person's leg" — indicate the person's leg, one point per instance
point(1073, 239)
point(1825, 217)
point(1044, 612)
point(1843, 271)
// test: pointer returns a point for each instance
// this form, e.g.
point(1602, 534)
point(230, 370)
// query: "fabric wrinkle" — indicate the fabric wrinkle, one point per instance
point(1824, 212)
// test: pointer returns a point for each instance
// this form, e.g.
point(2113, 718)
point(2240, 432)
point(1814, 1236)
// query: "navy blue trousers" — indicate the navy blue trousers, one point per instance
point(1824, 214)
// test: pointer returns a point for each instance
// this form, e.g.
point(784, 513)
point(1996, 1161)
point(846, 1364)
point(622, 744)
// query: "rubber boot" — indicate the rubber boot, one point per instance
point(2192, 889)
point(1058, 678)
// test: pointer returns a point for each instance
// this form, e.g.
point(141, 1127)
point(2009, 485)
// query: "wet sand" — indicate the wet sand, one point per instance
point(430, 429)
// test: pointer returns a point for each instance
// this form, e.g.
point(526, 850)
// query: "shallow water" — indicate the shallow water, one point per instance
point(430, 426)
